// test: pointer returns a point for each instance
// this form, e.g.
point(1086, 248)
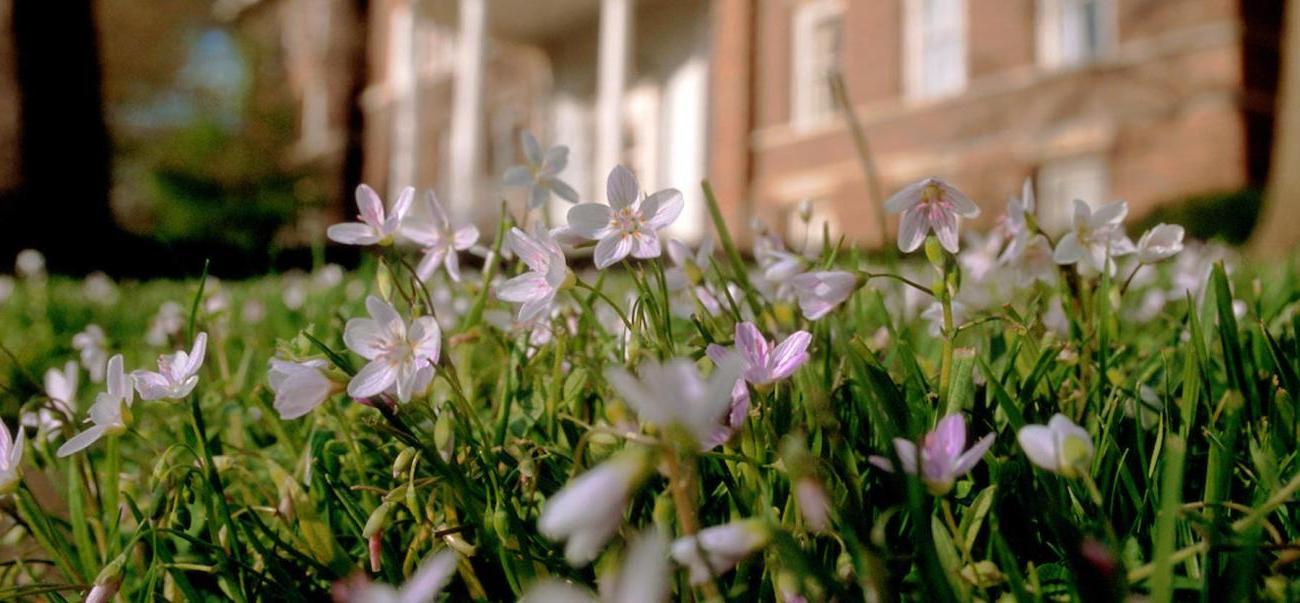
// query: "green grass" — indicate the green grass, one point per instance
point(216, 497)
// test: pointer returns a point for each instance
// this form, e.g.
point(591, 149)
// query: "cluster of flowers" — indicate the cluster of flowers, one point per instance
point(684, 409)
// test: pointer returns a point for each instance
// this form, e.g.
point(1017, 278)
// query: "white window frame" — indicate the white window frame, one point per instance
point(805, 83)
point(1058, 182)
point(915, 84)
point(1050, 23)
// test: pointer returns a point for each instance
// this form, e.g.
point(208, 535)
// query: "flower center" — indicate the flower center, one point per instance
point(627, 221)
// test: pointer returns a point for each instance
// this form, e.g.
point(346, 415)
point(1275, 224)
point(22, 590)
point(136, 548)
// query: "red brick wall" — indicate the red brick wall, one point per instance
point(1164, 109)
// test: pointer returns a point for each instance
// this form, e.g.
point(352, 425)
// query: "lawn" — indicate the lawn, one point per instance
point(596, 413)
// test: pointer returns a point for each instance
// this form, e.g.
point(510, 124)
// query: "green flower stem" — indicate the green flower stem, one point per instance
point(214, 481)
point(945, 360)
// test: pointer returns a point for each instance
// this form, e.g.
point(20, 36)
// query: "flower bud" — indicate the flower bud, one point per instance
point(378, 518)
point(403, 461)
point(934, 252)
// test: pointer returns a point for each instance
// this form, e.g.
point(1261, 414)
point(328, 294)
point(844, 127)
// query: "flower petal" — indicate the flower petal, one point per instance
point(612, 249)
point(621, 187)
point(518, 176)
point(911, 230)
point(81, 441)
point(668, 205)
point(590, 220)
point(1039, 446)
point(353, 233)
point(375, 377)
point(790, 355)
point(529, 249)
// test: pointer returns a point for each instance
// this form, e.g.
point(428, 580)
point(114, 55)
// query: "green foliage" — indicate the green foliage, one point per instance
point(1189, 494)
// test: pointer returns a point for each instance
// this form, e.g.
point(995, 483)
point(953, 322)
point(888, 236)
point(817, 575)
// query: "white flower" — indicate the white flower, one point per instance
point(111, 412)
point(61, 389)
point(540, 174)
point(820, 292)
point(1160, 243)
point(11, 458)
point(777, 262)
point(30, 264)
point(424, 585)
point(722, 546)
point(628, 224)
point(589, 510)
point(375, 226)
point(99, 288)
point(167, 322)
point(1015, 224)
point(547, 273)
point(1094, 236)
point(431, 230)
point(1060, 446)
point(299, 386)
point(642, 577)
point(400, 357)
point(6, 287)
point(1035, 262)
point(61, 386)
point(930, 205)
point(93, 349)
point(177, 374)
point(687, 267)
point(674, 394)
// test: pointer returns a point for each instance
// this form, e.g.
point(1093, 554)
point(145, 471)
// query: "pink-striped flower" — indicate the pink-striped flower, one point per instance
point(629, 224)
point(431, 230)
point(930, 205)
point(376, 227)
point(763, 363)
point(820, 292)
point(547, 275)
point(942, 457)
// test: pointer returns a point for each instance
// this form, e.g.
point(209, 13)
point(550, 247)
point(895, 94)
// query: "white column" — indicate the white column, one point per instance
point(403, 82)
point(611, 81)
point(467, 108)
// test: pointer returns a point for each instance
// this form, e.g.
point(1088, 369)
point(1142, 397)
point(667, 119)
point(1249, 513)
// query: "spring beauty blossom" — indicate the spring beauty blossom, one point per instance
point(548, 273)
point(299, 386)
point(930, 205)
point(177, 374)
point(540, 174)
point(716, 550)
point(1061, 446)
point(11, 458)
point(763, 362)
point(1160, 243)
point(629, 224)
point(943, 456)
point(401, 356)
point(430, 228)
point(111, 412)
point(376, 227)
point(819, 292)
point(589, 510)
point(674, 394)
point(1094, 237)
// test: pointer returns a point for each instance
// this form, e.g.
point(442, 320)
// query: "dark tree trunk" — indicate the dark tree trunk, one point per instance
point(354, 126)
point(62, 203)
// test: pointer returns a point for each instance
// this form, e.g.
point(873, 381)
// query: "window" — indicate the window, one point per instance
point(1062, 181)
point(817, 26)
point(935, 47)
point(1073, 32)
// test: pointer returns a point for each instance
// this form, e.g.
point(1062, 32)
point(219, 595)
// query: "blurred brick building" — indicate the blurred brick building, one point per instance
point(1151, 101)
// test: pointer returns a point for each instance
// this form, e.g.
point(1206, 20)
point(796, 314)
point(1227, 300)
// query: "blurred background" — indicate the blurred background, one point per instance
point(139, 137)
